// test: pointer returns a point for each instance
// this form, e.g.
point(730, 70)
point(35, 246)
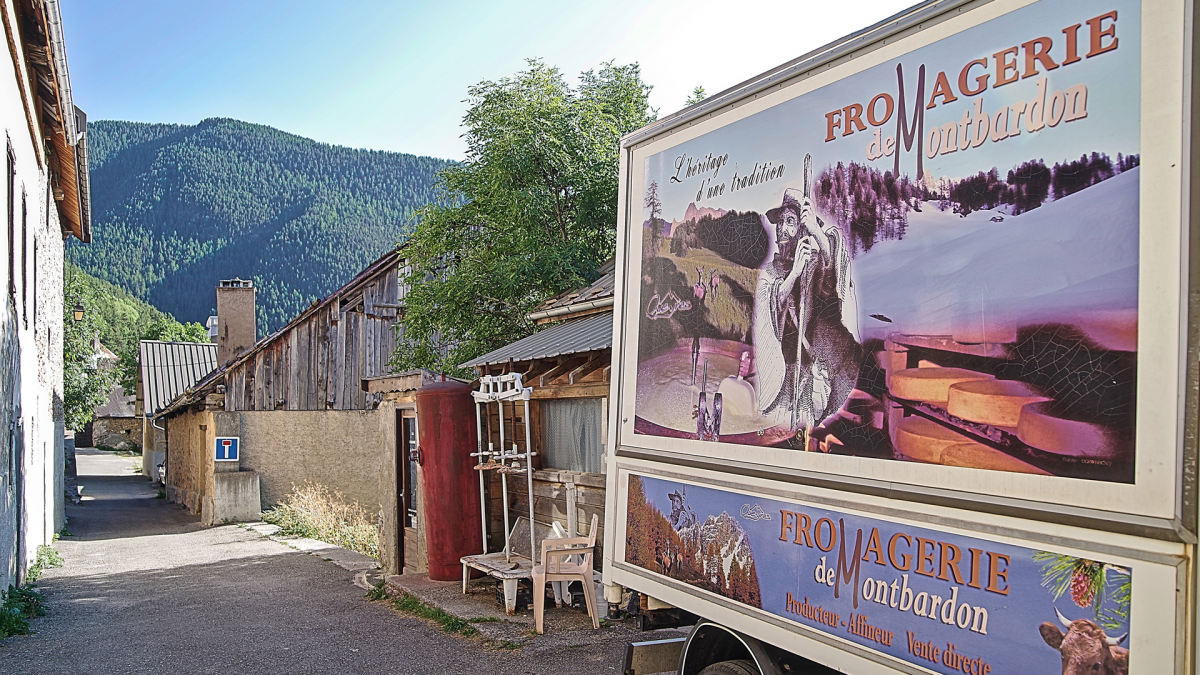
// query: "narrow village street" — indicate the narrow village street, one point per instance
point(145, 589)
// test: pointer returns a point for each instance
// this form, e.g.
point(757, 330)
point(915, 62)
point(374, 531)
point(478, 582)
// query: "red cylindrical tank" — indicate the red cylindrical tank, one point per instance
point(449, 482)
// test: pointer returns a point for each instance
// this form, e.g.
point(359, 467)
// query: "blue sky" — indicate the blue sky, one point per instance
point(394, 75)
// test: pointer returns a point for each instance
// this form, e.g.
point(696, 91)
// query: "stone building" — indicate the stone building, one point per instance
point(165, 370)
point(295, 400)
point(45, 201)
point(114, 424)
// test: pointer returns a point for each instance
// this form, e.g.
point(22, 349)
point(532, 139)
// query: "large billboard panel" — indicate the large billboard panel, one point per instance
point(933, 260)
point(943, 601)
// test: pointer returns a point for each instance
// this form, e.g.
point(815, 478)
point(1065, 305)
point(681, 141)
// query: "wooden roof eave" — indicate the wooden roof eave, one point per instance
point(45, 107)
point(373, 271)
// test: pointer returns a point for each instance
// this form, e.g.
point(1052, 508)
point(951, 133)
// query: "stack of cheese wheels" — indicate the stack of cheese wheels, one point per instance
point(994, 402)
point(930, 385)
point(1040, 428)
point(977, 456)
point(923, 440)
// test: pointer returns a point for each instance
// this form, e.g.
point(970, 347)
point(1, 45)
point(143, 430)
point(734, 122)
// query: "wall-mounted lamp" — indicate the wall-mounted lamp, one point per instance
point(78, 311)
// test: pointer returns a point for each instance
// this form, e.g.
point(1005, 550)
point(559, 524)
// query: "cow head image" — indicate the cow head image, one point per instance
point(1085, 648)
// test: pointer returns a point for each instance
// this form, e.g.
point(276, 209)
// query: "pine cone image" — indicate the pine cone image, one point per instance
point(1083, 582)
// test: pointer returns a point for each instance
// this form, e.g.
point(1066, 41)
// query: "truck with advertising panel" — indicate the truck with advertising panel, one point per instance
point(905, 351)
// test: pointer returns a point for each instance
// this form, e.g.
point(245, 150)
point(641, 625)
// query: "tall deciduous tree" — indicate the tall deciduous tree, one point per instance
point(85, 382)
point(529, 213)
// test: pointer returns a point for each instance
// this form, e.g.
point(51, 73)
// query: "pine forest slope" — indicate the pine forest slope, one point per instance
point(178, 207)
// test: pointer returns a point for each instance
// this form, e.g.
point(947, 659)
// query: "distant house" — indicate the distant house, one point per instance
point(114, 424)
point(568, 365)
point(44, 200)
point(165, 370)
point(295, 401)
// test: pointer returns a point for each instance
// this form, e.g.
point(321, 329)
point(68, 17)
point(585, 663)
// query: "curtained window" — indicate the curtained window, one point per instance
point(572, 434)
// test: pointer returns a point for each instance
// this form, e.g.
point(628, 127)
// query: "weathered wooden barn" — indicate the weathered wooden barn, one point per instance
point(295, 401)
point(318, 361)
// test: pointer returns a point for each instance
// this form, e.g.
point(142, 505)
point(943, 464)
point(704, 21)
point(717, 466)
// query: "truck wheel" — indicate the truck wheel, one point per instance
point(739, 667)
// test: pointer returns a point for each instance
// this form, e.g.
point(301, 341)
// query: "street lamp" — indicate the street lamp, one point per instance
point(78, 311)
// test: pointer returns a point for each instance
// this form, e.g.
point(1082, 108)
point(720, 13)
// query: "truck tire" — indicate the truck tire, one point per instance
point(739, 667)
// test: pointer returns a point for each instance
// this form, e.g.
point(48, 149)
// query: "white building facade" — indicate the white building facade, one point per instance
point(43, 200)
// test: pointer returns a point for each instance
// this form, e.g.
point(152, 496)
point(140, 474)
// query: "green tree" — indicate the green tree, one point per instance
point(696, 96)
point(163, 328)
point(86, 382)
point(528, 214)
point(120, 321)
point(653, 203)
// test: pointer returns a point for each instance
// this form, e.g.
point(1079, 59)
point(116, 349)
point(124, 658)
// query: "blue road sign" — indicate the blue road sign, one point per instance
point(227, 450)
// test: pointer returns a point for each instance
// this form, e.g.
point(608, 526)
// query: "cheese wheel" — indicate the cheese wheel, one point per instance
point(930, 385)
point(980, 456)
point(924, 440)
point(995, 402)
point(1039, 428)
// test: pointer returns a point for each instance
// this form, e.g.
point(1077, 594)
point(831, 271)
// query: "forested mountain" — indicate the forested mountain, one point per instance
point(178, 207)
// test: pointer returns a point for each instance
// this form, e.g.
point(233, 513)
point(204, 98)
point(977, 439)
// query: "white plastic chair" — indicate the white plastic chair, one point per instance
point(556, 565)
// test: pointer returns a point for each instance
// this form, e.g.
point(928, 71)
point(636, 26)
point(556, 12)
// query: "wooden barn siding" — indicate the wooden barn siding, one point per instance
point(318, 364)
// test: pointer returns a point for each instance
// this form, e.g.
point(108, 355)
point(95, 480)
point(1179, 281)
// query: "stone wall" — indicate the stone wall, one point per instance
point(189, 463)
point(154, 448)
point(31, 345)
point(340, 449)
point(343, 450)
point(121, 433)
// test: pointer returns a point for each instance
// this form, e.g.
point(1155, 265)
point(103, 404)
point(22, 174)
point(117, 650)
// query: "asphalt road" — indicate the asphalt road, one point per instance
point(146, 590)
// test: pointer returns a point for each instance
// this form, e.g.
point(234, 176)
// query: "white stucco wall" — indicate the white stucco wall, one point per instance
point(31, 444)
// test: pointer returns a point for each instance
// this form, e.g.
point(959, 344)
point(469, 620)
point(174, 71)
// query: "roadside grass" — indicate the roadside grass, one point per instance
point(47, 557)
point(378, 592)
point(313, 511)
point(20, 605)
point(411, 604)
point(17, 607)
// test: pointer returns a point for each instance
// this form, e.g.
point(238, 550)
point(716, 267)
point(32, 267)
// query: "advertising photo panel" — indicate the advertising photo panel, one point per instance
point(933, 260)
point(946, 602)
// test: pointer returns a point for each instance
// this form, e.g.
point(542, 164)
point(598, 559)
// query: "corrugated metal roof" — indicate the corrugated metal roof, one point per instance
point(570, 337)
point(169, 368)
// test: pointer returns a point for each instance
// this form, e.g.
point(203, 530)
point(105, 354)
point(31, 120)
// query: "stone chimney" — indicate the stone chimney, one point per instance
point(235, 319)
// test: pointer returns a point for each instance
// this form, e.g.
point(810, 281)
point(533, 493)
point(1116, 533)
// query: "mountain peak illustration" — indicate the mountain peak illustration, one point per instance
point(694, 212)
point(720, 542)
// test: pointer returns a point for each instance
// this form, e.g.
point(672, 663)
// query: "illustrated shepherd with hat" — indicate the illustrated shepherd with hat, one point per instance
point(805, 316)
